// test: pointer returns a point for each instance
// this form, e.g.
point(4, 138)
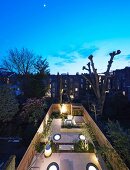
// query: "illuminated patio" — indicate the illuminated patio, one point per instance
point(67, 141)
point(69, 160)
point(66, 161)
point(66, 137)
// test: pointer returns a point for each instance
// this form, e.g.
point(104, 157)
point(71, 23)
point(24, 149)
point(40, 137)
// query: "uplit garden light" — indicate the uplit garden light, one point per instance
point(48, 151)
point(63, 108)
point(91, 166)
point(53, 166)
point(57, 137)
point(82, 137)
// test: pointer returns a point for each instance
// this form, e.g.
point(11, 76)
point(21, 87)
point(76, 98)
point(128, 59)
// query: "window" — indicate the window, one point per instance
point(53, 84)
point(76, 89)
point(53, 89)
point(53, 94)
point(124, 93)
point(99, 79)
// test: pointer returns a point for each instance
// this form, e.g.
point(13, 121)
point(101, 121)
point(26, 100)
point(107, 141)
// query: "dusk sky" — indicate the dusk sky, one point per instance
point(66, 32)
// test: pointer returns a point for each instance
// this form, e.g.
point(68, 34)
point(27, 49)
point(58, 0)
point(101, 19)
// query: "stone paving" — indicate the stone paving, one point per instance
point(65, 137)
point(66, 161)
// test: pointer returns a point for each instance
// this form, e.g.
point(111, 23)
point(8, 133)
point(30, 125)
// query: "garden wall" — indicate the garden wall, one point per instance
point(30, 152)
point(115, 160)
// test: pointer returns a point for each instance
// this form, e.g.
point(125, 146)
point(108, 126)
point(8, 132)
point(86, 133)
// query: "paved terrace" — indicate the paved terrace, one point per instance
point(66, 161)
point(65, 137)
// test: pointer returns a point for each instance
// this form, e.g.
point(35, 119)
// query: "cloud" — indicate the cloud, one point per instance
point(59, 64)
point(128, 57)
point(122, 57)
point(73, 58)
point(85, 52)
point(71, 55)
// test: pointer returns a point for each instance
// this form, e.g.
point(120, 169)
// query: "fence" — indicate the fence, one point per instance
point(114, 159)
point(29, 154)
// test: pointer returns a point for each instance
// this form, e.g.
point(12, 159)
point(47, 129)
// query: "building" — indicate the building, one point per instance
point(120, 81)
point(67, 87)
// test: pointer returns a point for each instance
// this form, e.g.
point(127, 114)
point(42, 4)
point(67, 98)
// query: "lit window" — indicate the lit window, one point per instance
point(76, 89)
point(100, 79)
point(124, 93)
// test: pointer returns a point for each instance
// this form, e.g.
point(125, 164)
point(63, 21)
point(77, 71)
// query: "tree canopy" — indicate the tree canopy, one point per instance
point(20, 61)
point(23, 61)
point(42, 66)
point(8, 104)
point(33, 110)
point(32, 71)
point(120, 140)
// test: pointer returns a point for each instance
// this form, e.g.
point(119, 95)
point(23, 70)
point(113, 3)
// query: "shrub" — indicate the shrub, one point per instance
point(39, 147)
point(77, 112)
point(55, 115)
point(80, 147)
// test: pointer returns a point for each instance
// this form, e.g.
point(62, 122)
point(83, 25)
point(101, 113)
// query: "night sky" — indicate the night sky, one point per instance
point(66, 32)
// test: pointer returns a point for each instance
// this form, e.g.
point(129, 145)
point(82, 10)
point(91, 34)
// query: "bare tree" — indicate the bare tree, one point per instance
point(20, 61)
point(93, 79)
